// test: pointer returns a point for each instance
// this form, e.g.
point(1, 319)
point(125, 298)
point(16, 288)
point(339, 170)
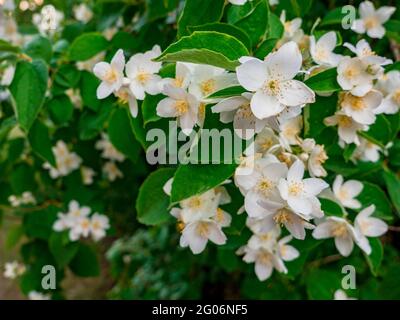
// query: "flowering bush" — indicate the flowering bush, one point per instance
point(107, 109)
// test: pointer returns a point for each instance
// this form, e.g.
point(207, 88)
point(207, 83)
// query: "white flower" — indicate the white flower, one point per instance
point(182, 105)
point(99, 223)
point(391, 86)
point(108, 150)
point(371, 21)
point(66, 161)
point(34, 295)
point(279, 214)
point(300, 193)
point(207, 79)
point(125, 96)
point(367, 151)
point(369, 57)
point(82, 13)
point(287, 252)
point(111, 75)
point(367, 226)
point(272, 81)
point(361, 109)
point(289, 131)
point(237, 109)
point(13, 269)
point(199, 206)
point(322, 50)
point(347, 127)
point(261, 184)
point(111, 170)
point(48, 20)
point(7, 5)
point(141, 72)
point(26, 198)
point(341, 295)
point(81, 228)
point(87, 175)
point(292, 29)
point(341, 230)
point(7, 76)
point(182, 77)
point(68, 220)
point(346, 192)
point(353, 76)
point(315, 161)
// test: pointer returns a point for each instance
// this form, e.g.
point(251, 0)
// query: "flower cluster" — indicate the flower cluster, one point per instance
point(109, 152)
point(25, 198)
point(13, 270)
point(80, 223)
point(200, 218)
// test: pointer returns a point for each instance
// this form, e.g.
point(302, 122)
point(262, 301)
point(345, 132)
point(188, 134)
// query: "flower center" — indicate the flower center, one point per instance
point(296, 188)
point(343, 194)
point(202, 229)
point(321, 157)
point(111, 76)
point(371, 22)
point(195, 202)
point(181, 106)
point(85, 223)
point(321, 54)
point(356, 103)
point(143, 77)
point(339, 230)
point(272, 87)
point(178, 82)
point(344, 121)
point(351, 72)
point(219, 215)
point(265, 144)
point(207, 87)
point(265, 186)
point(264, 258)
point(245, 111)
point(283, 216)
point(123, 96)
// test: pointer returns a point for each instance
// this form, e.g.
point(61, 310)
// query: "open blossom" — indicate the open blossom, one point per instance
point(390, 84)
point(48, 20)
point(316, 157)
point(142, 71)
point(367, 151)
point(371, 21)
point(289, 132)
point(13, 269)
point(300, 193)
point(111, 75)
point(67, 220)
point(322, 50)
point(180, 104)
point(201, 219)
point(273, 83)
point(367, 226)
point(341, 295)
point(125, 96)
point(112, 171)
point(182, 78)
point(25, 198)
point(292, 29)
point(238, 110)
point(347, 127)
point(347, 192)
point(99, 223)
point(87, 175)
point(265, 140)
point(82, 13)
point(353, 76)
point(339, 229)
point(66, 161)
point(108, 151)
point(361, 109)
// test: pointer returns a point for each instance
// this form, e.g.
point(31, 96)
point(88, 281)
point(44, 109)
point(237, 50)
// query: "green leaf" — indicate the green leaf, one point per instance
point(39, 48)
point(152, 202)
point(393, 29)
point(14, 235)
point(199, 12)
point(375, 258)
point(265, 48)
point(40, 142)
point(39, 224)
point(87, 45)
point(149, 108)
point(335, 16)
point(379, 132)
point(61, 109)
point(227, 92)
point(67, 76)
point(85, 262)
point(314, 115)
point(62, 249)
point(297, 8)
point(8, 47)
point(28, 89)
point(206, 47)
point(190, 180)
point(275, 26)
point(322, 284)
point(256, 22)
point(393, 186)
point(226, 29)
point(91, 123)
point(373, 194)
point(331, 208)
point(121, 135)
point(235, 13)
point(324, 81)
point(88, 88)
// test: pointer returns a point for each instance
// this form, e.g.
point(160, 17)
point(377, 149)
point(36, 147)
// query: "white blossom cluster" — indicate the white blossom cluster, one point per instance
point(25, 198)
point(48, 20)
point(281, 175)
point(81, 224)
point(13, 270)
point(109, 152)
